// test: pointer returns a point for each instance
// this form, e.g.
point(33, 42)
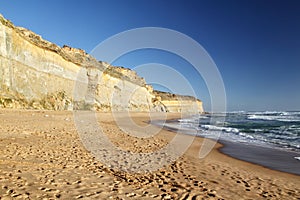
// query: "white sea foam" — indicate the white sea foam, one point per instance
point(246, 135)
point(186, 120)
point(218, 128)
point(283, 118)
point(297, 158)
point(270, 113)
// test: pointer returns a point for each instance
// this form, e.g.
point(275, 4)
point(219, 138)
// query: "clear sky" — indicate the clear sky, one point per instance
point(255, 44)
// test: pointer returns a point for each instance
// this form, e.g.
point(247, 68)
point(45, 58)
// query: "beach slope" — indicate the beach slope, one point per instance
point(42, 157)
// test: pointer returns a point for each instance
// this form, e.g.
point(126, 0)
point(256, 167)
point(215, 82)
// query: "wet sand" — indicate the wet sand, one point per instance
point(276, 159)
point(42, 157)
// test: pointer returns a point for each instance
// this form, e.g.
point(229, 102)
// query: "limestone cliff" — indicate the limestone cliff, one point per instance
point(35, 73)
point(178, 103)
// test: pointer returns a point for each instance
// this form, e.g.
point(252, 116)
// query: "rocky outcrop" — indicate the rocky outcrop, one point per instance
point(38, 74)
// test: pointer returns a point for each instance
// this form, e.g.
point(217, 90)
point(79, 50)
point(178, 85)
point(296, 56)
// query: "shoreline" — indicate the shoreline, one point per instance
point(274, 159)
point(271, 158)
point(42, 156)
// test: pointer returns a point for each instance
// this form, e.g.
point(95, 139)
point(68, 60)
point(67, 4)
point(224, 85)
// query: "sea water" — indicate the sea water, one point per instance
point(271, 139)
point(270, 129)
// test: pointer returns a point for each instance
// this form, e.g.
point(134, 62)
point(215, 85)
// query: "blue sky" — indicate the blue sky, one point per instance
point(255, 44)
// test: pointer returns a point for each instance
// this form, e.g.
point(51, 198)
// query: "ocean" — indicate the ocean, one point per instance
point(271, 139)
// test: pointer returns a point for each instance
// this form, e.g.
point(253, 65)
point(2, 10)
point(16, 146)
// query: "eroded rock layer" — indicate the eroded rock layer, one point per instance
point(38, 74)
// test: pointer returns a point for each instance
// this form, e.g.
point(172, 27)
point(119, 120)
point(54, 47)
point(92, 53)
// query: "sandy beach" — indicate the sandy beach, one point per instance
point(42, 157)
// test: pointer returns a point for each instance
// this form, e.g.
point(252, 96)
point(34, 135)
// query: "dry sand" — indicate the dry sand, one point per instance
point(42, 157)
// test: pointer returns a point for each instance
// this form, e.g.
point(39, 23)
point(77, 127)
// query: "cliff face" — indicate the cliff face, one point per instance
point(178, 103)
point(35, 73)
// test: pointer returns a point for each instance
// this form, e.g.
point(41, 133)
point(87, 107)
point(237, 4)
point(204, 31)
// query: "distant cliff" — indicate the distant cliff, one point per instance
point(38, 74)
point(178, 103)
